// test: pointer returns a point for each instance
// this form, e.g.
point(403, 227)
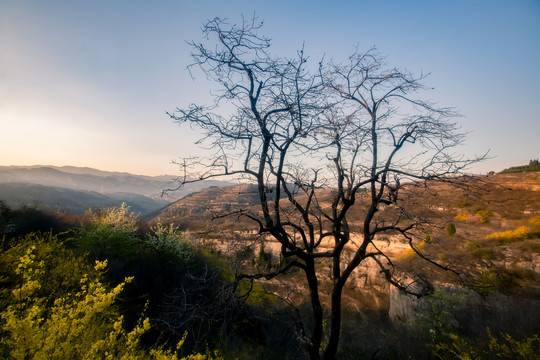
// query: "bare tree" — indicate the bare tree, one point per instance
point(354, 128)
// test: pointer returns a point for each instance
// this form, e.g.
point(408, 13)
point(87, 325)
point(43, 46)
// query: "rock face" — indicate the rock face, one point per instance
point(404, 308)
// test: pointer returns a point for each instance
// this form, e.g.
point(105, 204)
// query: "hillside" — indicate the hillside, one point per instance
point(480, 209)
point(533, 166)
point(86, 179)
point(75, 189)
point(509, 197)
point(196, 210)
point(71, 201)
point(495, 248)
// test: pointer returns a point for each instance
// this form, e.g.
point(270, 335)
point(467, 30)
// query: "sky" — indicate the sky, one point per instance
point(88, 83)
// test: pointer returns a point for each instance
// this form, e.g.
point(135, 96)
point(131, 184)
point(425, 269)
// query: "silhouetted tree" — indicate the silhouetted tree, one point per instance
point(354, 127)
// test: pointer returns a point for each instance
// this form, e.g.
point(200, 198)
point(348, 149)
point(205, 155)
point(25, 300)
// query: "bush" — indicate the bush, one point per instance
point(115, 217)
point(529, 246)
point(438, 322)
point(62, 268)
point(462, 216)
point(487, 281)
point(485, 253)
point(181, 286)
point(14, 223)
point(534, 221)
point(502, 346)
point(410, 254)
point(481, 215)
point(80, 324)
point(531, 230)
point(41, 321)
point(169, 240)
point(518, 234)
point(484, 215)
point(112, 232)
point(451, 229)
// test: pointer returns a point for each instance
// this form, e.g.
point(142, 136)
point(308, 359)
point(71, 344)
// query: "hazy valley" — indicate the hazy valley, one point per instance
point(76, 189)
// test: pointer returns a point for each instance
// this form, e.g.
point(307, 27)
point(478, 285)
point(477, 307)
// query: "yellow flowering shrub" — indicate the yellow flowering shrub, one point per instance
point(82, 324)
point(462, 216)
point(534, 221)
point(532, 230)
point(409, 254)
point(60, 273)
point(518, 234)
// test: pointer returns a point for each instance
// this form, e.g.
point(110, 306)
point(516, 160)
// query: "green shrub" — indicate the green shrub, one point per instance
point(255, 294)
point(529, 246)
point(487, 281)
point(451, 229)
point(484, 252)
point(171, 241)
point(265, 257)
point(502, 346)
point(439, 321)
point(103, 241)
point(112, 232)
point(484, 214)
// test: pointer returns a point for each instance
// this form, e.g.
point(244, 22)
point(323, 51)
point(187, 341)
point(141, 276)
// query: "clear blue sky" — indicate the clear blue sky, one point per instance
point(87, 83)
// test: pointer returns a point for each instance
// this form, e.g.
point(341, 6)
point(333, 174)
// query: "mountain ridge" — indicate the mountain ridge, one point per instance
point(88, 188)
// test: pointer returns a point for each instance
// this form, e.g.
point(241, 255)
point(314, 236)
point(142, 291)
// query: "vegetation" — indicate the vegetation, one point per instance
point(494, 347)
point(531, 230)
point(56, 305)
point(480, 215)
point(451, 229)
point(75, 316)
point(145, 288)
point(534, 165)
point(99, 291)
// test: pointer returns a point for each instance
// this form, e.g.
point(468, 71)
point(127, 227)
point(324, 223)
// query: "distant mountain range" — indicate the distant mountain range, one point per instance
point(75, 189)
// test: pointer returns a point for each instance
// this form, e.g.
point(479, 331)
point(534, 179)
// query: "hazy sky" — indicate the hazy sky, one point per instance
point(87, 83)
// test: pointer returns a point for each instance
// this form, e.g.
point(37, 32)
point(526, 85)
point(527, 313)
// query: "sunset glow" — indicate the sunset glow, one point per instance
point(88, 84)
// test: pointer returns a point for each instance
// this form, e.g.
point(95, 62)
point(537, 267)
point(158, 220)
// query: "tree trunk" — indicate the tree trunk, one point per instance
point(313, 346)
point(335, 321)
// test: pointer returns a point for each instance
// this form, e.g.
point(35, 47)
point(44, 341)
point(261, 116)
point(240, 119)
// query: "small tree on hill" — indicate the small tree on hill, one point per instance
point(355, 128)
